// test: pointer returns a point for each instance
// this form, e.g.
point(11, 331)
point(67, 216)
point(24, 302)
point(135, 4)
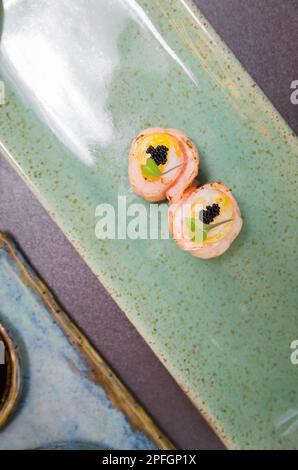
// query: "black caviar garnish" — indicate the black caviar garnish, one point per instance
point(208, 215)
point(158, 154)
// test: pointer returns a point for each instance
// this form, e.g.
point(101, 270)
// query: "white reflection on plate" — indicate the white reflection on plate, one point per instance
point(64, 61)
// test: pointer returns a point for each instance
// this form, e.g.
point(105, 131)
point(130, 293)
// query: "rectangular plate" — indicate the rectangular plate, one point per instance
point(63, 404)
point(75, 97)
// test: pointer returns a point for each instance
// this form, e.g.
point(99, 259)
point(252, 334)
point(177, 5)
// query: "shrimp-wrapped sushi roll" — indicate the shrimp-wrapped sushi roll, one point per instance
point(206, 220)
point(162, 164)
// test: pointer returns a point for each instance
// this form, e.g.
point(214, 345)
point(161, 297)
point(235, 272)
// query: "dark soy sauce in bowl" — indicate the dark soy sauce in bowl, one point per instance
point(3, 379)
point(5, 367)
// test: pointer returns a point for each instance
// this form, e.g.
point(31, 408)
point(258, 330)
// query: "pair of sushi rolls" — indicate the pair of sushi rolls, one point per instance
point(163, 164)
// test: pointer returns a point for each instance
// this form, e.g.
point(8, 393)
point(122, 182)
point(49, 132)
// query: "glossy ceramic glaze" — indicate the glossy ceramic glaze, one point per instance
point(63, 402)
point(76, 97)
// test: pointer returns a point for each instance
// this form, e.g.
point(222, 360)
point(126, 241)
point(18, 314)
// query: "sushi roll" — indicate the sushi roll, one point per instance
point(206, 220)
point(162, 164)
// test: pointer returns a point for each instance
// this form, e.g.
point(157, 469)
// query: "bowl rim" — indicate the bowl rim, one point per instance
point(12, 388)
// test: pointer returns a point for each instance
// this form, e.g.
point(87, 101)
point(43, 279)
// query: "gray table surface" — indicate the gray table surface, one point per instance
point(264, 35)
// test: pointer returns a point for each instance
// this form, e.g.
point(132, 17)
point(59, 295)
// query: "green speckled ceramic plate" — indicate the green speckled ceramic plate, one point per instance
point(80, 83)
